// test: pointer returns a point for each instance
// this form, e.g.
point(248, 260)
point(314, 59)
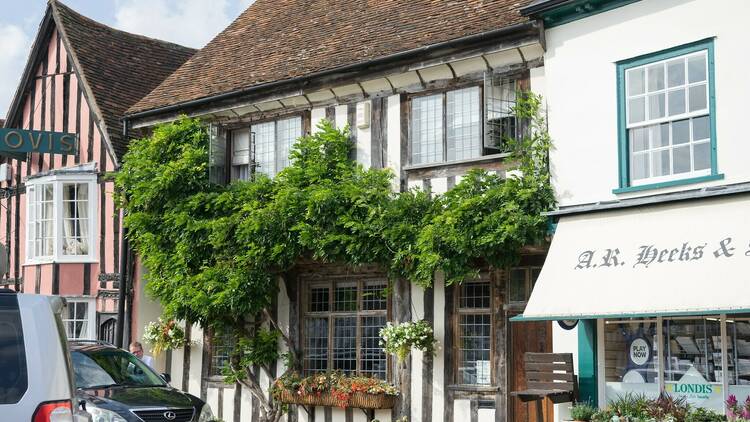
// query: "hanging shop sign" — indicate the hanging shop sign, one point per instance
point(19, 141)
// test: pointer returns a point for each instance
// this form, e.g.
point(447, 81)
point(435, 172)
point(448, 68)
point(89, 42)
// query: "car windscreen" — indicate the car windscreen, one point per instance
point(13, 373)
point(111, 367)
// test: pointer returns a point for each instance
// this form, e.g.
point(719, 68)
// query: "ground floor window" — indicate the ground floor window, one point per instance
point(78, 319)
point(341, 327)
point(475, 332)
point(703, 359)
point(221, 347)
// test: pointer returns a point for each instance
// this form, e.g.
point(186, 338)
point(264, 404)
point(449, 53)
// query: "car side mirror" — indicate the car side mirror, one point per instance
point(82, 405)
point(167, 377)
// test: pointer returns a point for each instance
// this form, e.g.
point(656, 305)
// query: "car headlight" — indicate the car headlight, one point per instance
point(206, 414)
point(103, 415)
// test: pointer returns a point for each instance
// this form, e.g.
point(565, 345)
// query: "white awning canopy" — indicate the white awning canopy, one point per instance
point(683, 258)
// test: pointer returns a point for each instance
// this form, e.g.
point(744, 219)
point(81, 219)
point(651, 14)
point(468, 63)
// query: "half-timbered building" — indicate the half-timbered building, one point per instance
point(426, 88)
point(59, 223)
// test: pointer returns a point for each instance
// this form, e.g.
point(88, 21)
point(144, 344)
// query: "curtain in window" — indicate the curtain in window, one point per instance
point(75, 219)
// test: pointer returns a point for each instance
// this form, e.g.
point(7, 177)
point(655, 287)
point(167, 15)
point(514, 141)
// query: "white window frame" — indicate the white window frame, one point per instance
point(686, 115)
point(91, 329)
point(57, 182)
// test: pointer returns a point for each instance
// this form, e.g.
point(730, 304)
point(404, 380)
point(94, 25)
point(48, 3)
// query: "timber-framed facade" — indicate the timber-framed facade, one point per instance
point(461, 86)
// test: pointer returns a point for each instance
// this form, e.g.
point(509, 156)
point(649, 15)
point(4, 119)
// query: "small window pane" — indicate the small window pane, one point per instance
point(640, 167)
point(697, 68)
point(474, 366)
point(681, 132)
point(660, 163)
point(265, 141)
point(517, 286)
point(637, 110)
point(427, 129)
point(702, 153)
point(319, 299)
point(316, 345)
point(373, 296)
point(636, 81)
point(639, 139)
point(656, 77)
point(659, 135)
point(698, 97)
point(345, 297)
point(463, 124)
point(475, 295)
point(287, 133)
point(345, 344)
point(656, 108)
point(682, 159)
point(701, 128)
point(373, 358)
point(676, 102)
point(676, 72)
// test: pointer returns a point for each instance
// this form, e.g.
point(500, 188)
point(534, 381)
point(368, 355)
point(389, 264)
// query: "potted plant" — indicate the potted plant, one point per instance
point(400, 339)
point(582, 412)
point(163, 335)
point(335, 389)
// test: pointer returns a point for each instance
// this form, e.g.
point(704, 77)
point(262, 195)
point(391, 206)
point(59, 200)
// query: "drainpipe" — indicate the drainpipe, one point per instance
point(125, 251)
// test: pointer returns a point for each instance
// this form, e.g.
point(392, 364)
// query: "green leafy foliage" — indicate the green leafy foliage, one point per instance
point(214, 254)
point(582, 412)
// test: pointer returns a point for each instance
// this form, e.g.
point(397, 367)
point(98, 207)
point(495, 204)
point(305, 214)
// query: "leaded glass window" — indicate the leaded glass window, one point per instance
point(342, 322)
point(475, 333)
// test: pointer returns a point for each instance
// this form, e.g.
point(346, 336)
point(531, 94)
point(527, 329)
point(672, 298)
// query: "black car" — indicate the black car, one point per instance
point(117, 387)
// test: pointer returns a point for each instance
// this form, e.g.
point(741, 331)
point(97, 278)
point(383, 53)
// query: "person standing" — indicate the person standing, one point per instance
point(137, 349)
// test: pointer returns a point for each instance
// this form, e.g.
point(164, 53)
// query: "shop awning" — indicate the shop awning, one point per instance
point(682, 258)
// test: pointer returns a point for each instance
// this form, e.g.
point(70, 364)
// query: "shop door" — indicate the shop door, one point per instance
point(532, 336)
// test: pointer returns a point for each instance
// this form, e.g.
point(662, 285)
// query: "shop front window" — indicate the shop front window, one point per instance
point(738, 357)
point(692, 364)
point(631, 358)
point(691, 351)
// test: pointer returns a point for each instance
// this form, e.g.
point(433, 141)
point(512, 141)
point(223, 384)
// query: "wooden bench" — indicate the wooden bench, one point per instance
point(548, 375)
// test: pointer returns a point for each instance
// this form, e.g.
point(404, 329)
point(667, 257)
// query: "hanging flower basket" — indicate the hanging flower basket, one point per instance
point(335, 390)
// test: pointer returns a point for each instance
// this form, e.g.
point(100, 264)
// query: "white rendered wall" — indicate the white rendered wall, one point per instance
point(564, 341)
point(394, 139)
point(316, 115)
point(364, 143)
point(582, 96)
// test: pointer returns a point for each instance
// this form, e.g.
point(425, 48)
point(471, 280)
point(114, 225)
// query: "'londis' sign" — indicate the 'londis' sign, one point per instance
point(20, 141)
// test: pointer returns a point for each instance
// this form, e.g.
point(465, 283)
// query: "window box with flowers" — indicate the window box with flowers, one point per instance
point(335, 389)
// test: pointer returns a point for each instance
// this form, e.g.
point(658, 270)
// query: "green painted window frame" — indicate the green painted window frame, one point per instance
point(622, 138)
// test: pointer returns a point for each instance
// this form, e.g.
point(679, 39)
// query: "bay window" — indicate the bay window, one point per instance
point(61, 213)
point(264, 146)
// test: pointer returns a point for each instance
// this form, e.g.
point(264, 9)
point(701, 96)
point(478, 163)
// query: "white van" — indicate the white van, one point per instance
point(35, 370)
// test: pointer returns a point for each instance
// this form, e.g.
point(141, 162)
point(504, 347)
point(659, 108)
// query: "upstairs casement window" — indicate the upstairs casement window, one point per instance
point(463, 124)
point(341, 328)
point(667, 119)
point(61, 219)
point(264, 147)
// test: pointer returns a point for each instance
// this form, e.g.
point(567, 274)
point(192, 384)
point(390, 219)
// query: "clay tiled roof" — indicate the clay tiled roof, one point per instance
point(120, 68)
point(275, 40)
